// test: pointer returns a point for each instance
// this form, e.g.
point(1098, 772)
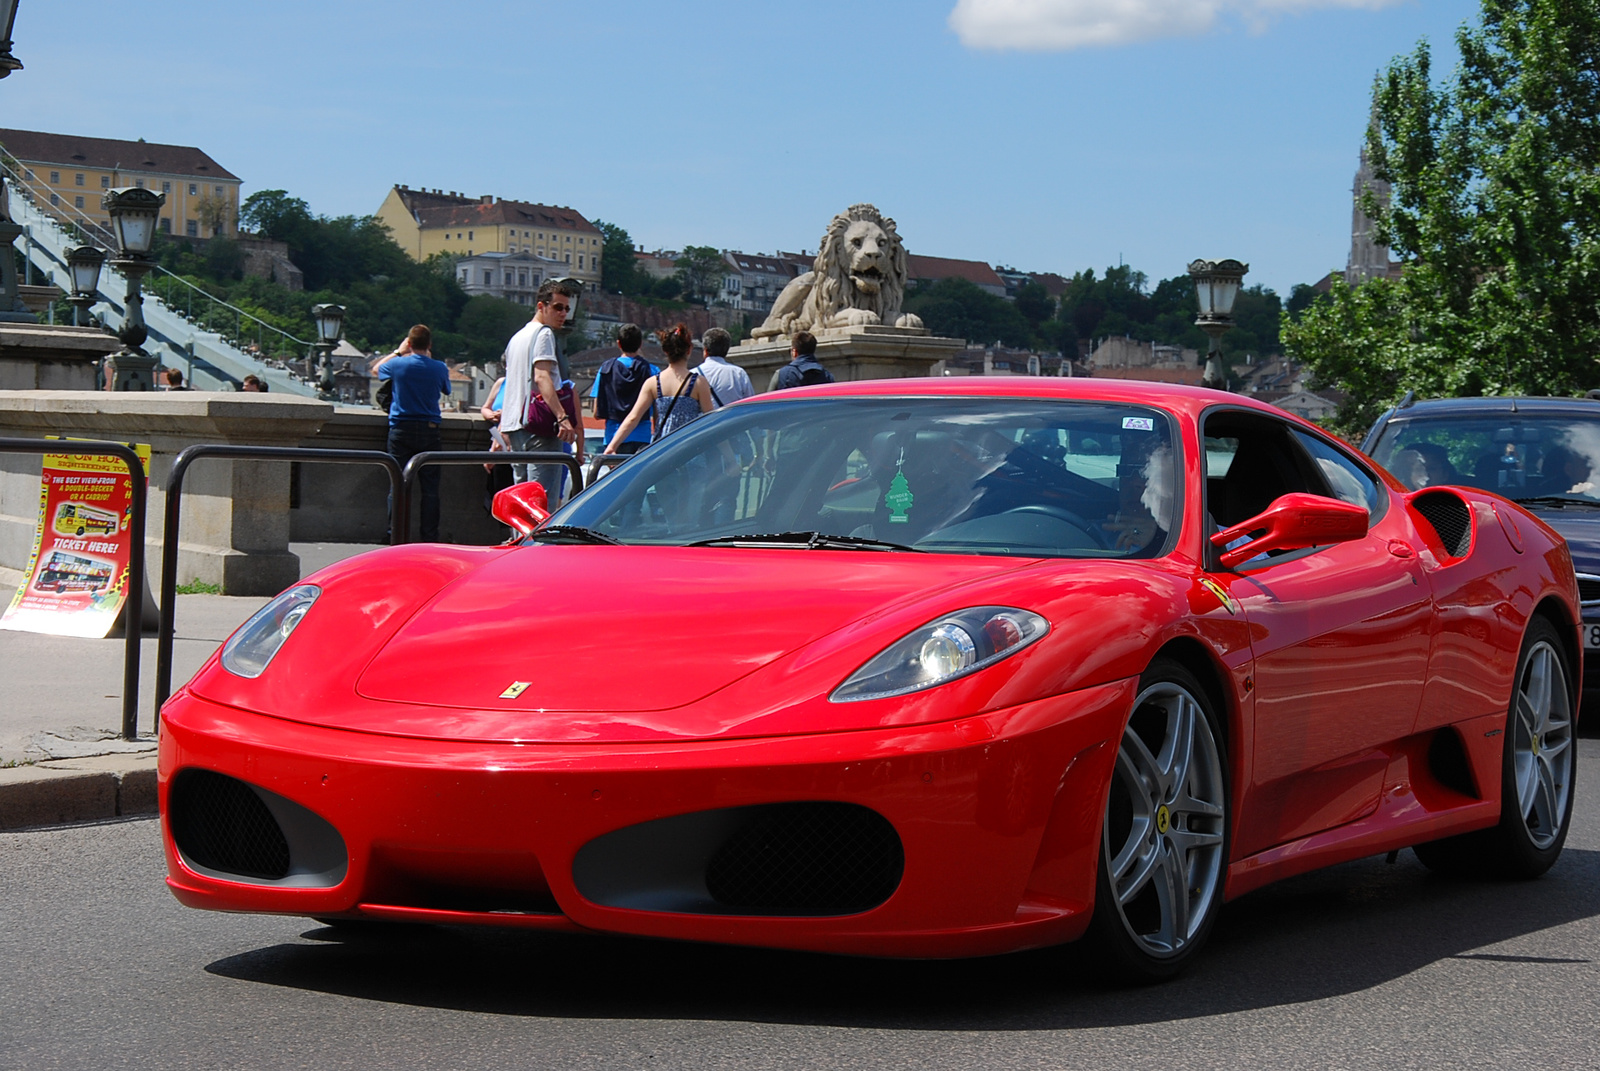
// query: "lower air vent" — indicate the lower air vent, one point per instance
point(227, 828)
point(220, 823)
point(795, 859)
point(1588, 588)
point(1450, 518)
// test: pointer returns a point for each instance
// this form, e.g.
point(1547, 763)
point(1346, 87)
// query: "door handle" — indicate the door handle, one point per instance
point(1400, 550)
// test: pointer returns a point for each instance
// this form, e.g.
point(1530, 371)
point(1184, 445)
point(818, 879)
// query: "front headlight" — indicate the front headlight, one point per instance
point(248, 651)
point(943, 650)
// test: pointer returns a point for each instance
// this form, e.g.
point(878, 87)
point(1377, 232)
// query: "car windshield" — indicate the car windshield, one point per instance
point(1524, 456)
point(973, 475)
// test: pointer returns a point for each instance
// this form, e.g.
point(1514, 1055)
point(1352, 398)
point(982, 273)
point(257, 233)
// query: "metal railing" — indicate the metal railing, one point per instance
point(204, 310)
point(423, 460)
point(133, 604)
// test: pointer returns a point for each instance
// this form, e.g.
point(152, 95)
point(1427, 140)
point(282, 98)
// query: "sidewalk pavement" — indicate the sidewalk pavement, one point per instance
point(62, 757)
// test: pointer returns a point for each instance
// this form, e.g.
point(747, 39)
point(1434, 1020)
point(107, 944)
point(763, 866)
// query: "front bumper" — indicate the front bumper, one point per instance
point(998, 816)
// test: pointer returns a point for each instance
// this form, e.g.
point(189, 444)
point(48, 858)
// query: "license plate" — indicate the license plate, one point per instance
point(1591, 637)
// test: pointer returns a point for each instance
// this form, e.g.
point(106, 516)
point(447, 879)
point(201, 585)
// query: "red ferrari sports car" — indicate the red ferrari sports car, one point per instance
point(899, 668)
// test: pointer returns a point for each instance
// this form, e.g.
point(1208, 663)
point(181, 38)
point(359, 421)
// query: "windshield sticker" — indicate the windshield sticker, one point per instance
point(1138, 423)
point(899, 498)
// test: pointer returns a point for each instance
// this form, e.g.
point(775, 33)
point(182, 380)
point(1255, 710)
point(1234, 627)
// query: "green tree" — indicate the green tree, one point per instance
point(618, 272)
point(700, 272)
point(957, 308)
point(1495, 212)
point(1034, 303)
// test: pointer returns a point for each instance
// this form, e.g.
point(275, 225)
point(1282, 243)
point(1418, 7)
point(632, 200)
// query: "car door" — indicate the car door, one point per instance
point(1340, 634)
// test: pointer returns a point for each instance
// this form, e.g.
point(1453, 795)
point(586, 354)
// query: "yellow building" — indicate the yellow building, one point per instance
point(69, 174)
point(426, 222)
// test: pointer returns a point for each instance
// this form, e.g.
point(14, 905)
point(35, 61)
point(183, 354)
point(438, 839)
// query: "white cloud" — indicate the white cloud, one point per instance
point(1061, 25)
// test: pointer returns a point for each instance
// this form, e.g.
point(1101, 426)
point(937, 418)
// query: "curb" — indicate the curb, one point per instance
point(60, 791)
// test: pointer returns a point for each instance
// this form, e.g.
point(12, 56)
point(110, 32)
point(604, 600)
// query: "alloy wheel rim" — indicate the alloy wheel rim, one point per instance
point(1163, 837)
point(1541, 728)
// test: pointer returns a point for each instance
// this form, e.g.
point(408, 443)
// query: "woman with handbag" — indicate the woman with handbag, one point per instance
point(674, 396)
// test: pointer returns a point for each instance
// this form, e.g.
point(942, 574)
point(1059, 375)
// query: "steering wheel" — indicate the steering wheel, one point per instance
point(1044, 509)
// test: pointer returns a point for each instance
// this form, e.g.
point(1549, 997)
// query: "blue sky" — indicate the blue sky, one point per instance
point(1194, 128)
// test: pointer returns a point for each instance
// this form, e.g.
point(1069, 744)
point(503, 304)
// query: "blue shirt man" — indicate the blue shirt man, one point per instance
point(414, 416)
point(630, 367)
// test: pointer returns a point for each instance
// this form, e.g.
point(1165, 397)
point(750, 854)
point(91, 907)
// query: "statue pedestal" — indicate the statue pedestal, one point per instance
point(52, 356)
point(852, 353)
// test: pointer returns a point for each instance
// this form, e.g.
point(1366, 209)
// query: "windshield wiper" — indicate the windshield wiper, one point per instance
point(573, 533)
point(1557, 500)
point(804, 541)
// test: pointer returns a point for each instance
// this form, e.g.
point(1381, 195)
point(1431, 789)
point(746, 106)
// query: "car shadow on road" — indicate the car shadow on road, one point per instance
point(1335, 932)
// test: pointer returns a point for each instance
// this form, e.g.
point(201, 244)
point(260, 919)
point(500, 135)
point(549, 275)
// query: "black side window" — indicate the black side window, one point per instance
point(1266, 463)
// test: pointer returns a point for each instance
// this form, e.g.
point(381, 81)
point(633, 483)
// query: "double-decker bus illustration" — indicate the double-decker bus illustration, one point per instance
point(75, 518)
point(73, 572)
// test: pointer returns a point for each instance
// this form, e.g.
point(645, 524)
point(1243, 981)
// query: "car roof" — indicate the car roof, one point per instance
point(1443, 406)
point(1173, 397)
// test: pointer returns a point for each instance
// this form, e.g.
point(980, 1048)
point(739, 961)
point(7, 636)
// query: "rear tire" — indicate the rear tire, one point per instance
point(1537, 771)
point(1164, 842)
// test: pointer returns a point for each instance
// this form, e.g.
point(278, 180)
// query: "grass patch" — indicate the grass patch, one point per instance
point(11, 764)
point(198, 587)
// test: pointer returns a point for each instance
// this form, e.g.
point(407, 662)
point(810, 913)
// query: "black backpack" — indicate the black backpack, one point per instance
point(815, 376)
point(620, 385)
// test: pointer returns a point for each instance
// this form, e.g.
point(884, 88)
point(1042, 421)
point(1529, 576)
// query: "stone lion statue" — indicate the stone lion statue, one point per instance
point(859, 278)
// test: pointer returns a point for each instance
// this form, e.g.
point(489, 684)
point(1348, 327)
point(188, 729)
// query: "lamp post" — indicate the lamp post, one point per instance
point(330, 326)
point(1216, 284)
point(133, 212)
point(83, 263)
point(8, 15)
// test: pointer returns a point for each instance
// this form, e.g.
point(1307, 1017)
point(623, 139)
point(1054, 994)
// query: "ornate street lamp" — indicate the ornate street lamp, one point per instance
point(8, 15)
point(133, 212)
point(83, 263)
point(1216, 284)
point(330, 326)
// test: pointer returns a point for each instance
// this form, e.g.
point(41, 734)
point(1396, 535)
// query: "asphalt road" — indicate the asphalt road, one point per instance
point(1365, 965)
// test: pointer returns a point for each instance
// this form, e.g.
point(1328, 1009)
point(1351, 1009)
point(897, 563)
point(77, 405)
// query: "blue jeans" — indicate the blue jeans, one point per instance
point(547, 476)
point(407, 439)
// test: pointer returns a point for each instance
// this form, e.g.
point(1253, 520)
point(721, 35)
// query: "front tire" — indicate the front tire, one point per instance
point(1164, 843)
point(1537, 771)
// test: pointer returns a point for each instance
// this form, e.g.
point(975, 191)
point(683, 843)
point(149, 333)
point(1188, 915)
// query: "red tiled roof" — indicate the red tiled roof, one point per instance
point(933, 269)
point(107, 154)
point(516, 212)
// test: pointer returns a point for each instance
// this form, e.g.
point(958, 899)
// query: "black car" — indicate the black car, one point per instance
point(1543, 453)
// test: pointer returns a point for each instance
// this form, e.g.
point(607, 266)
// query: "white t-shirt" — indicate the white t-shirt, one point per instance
point(534, 344)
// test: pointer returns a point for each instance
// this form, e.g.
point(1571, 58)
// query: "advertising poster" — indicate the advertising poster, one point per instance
point(77, 576)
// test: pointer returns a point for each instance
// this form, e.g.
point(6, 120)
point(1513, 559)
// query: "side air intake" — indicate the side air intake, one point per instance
point(1450, 518)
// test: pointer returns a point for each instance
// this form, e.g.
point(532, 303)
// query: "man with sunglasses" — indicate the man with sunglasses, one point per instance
point(532, 365)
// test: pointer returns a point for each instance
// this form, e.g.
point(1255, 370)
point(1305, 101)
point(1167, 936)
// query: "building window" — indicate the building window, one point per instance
point(77, 180)
point(569, 258)
point(77, 202)
point(193, 189)
point(105, 182)
point(580, 261)
point(55, 178)
point(166, 224)
point(522, 278)
point(166, 187)
point(54, 200)
point(463, 275)
point(488, 277)
point(28, 173)
point(139, 183)
point(219, 191)
point(191, 227)
point(469, 236)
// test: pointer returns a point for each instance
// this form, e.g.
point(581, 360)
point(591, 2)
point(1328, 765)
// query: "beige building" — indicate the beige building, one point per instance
point(426, 222)
point(69, 174)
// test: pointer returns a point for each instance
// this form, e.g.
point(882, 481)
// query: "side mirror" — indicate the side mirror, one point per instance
point(523, 506)
point(1293, 522)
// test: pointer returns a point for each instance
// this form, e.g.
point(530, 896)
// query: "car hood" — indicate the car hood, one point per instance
point(559, 630)
point(1580, 527)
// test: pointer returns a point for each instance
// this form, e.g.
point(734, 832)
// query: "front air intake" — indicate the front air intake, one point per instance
point(812, 858)
point(1450, 518)
point(220, 823)
point(227, 828)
